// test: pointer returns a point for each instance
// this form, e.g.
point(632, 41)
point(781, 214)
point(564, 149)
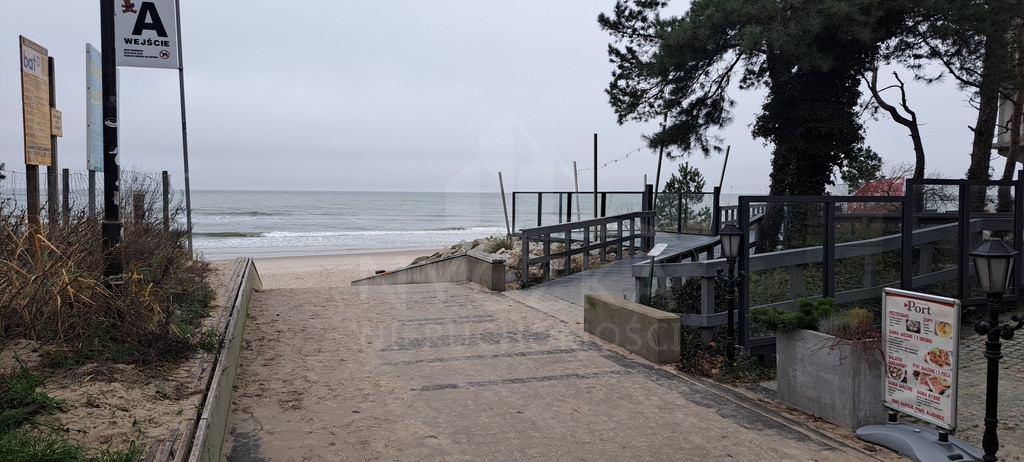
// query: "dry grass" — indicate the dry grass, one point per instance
point(52, 291)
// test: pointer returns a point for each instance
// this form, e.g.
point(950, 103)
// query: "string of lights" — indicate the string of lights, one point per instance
point(623, 157)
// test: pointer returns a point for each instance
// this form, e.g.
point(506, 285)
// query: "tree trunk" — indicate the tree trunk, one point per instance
point(985, 128)
point(1012, 153)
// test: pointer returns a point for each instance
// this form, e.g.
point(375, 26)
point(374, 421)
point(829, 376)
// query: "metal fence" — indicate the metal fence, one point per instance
point(81, 192)
point(850, 247)
point(692, 213)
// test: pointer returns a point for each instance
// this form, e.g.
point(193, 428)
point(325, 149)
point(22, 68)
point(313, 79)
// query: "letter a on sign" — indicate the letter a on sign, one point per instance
point(146, 33)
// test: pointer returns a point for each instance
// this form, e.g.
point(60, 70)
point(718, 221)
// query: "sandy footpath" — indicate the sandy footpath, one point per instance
point(453, 372)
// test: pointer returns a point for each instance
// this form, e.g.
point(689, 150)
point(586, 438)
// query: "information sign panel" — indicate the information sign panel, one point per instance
point(35, 102)
point(94, 108)
point(56, 123)
point(920, 332)
point(146, 33)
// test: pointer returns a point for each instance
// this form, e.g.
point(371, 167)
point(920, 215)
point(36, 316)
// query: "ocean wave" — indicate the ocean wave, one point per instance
point(242, 213)
point(379, 232)
point(228, 234)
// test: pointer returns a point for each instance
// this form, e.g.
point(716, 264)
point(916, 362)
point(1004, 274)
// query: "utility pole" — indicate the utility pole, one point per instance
point(595, 175)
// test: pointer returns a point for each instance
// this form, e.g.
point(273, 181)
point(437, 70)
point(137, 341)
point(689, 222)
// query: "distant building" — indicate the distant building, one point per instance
point(886, 187)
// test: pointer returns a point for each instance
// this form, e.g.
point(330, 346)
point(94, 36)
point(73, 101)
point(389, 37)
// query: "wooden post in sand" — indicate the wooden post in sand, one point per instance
point(504, 205)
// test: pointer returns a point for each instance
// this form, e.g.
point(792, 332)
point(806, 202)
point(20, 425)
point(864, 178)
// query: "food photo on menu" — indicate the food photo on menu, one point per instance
point(938, 357)
point(934, 384)
point(913, 326)
point(898, 373)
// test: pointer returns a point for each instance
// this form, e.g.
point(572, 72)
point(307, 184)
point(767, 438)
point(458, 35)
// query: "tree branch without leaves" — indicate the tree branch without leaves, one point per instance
point(909, 121)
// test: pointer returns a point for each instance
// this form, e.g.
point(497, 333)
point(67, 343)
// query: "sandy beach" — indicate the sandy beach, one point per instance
point(329, 270)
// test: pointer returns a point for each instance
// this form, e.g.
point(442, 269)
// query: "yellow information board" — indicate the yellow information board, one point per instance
point(35, 96)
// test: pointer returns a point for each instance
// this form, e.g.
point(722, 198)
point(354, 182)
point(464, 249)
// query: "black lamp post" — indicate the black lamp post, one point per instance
point(993, 260)
point(731, 236)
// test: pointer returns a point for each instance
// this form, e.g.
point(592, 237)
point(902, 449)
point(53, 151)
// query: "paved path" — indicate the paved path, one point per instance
point(614, 277)
point(451, 372)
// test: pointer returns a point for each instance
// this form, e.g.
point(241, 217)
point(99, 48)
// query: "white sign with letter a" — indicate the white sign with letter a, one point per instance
point(146, 33)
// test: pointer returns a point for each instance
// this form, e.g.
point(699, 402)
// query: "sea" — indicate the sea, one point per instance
point(229, 224)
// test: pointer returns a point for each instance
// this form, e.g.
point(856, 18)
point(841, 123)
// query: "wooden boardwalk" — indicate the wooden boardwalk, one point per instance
point(614, 277)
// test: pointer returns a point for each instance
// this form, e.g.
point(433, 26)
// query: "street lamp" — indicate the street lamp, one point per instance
point(731, 237)
point(993, 261)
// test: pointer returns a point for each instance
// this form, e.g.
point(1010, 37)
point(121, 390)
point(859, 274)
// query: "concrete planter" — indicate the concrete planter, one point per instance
point(837, 380)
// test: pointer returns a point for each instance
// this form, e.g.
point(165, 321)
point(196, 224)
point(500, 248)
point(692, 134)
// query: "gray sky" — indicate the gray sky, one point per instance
point(399, 95)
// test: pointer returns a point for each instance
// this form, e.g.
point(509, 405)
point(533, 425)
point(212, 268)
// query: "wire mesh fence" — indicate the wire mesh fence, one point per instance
point(75, 193)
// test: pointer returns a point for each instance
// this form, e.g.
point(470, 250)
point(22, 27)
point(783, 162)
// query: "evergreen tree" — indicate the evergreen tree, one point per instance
point(679, 204)
point(809, 55)
point(866, 168)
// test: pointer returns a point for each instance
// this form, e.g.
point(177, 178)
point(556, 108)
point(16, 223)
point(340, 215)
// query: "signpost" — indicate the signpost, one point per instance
point(35, 94)
point(35, 104)
point(146, 34)
point(135, 34)
point(921, 352)
point(921, 335)
point(94, 119)
point(94, 108)
point(111, 226)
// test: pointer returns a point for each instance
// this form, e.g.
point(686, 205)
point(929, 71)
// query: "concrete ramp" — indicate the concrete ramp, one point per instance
point(482, 268)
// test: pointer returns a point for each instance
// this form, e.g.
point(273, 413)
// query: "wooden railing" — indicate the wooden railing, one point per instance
point(668, 275)
point(630, 232)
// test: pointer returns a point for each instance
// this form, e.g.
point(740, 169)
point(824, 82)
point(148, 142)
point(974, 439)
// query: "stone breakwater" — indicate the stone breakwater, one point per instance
point(511, 249)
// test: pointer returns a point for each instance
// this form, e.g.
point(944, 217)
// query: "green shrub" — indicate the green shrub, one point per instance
point(806, 315)
point(494, 245)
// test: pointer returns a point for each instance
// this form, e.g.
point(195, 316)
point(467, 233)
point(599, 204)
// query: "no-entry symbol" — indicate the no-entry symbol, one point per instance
point(164, 54)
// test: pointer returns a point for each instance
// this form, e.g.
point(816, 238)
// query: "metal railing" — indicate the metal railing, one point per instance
point(692, 213)
point(630, 232)
point(926, 236)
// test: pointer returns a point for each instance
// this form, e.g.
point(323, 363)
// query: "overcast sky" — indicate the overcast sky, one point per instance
point(397, 95)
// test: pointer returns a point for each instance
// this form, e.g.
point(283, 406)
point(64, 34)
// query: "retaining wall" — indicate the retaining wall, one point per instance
point(212, 424)
point(649, 333)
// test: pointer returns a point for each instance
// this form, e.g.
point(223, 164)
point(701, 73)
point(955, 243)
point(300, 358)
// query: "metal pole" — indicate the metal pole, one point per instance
point(111, 227)
point(184, 131)
point(52, 190)
point(724, 164)
point(993, 347)
point(576, 177)
point(504, 205)
point(595, 175)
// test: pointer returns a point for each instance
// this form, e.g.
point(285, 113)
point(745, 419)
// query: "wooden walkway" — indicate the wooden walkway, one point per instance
point(614, 277)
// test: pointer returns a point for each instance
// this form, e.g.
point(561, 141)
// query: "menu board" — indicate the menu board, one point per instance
point(920, 332)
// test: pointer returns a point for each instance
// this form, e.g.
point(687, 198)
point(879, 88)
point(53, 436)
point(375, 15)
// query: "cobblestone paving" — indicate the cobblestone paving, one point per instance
point(971, 395)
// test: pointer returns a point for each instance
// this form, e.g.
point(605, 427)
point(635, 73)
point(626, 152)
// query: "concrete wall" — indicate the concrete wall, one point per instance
point(834, 379)
point(649, 333)
point(212, 425)
point(482, 268)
